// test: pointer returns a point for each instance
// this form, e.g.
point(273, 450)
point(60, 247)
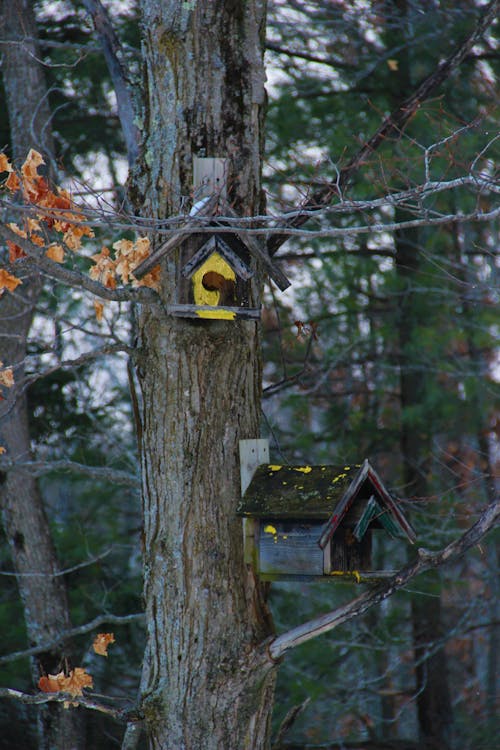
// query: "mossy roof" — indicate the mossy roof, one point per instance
point(322, 493)
point(296, 491)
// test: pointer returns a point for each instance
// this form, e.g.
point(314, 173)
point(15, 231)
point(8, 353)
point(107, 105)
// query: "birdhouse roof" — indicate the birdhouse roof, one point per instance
point(322, 493)
point(216, 244)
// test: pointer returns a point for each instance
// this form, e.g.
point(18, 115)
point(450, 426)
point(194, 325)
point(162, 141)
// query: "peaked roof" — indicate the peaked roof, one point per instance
point(215, 244)
point(323, 493)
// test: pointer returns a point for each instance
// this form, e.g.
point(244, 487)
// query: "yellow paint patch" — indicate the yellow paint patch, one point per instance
point(216, 313)
point(338, 478)
point(203, 296)
point(273, 467)
point(353, 573)
point(269, 529)
point(303, 469)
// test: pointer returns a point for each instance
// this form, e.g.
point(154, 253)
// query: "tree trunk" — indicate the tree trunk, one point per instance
point(23, 515)
point(206, 684)
point(434, 709)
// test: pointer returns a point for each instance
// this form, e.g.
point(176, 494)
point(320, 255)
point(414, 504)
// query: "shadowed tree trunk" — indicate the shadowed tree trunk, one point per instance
point(23, 515)
point(205, 684)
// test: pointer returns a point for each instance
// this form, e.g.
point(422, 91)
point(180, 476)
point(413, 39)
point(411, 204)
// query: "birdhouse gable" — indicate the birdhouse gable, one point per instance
point(366, 502)
point(217, 245)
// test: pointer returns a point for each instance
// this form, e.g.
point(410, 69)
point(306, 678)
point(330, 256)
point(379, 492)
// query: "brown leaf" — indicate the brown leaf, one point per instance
point(13, 182)
point(5, 165)
point(8, 281)
point(15, 252)
point(6, 376)
point(101, 643)
point(55, 252)
point(99, 310)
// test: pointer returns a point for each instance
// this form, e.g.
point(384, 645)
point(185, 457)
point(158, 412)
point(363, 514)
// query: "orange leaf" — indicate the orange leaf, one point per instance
point(55, 252)
point(13, 182)
point(5, 165)
point(99, 310)
point(74, 683)
point(51, 683)
point(8, 281)
point(2, 450)
point(77, 680)
point(101, 643)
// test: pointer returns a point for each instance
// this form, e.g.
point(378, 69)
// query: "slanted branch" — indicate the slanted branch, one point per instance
point(425, 560)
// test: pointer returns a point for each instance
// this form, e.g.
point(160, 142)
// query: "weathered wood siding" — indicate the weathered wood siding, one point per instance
point(288, 547)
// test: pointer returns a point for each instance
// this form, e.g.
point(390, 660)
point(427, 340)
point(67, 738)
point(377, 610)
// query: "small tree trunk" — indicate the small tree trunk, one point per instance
point(23, 515)
point(206, 684)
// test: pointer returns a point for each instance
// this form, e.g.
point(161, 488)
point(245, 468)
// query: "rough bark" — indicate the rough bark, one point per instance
point(23, 515)
point(205, 683)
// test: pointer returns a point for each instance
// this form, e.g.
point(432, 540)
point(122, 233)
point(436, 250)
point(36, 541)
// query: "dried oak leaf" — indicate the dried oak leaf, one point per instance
point(99, 310)
point(8, 281)
point(6, 376)
point(104, 269)
point(5, 165)
point(13, 183)
point(101, 643)
point(55, 252)
point(73, 683)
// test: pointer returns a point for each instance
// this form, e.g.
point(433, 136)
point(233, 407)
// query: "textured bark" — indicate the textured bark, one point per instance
point(23, 515)
point(205, 683)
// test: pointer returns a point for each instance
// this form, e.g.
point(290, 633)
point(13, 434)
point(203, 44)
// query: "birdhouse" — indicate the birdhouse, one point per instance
point(214, 268)
point(318, 521)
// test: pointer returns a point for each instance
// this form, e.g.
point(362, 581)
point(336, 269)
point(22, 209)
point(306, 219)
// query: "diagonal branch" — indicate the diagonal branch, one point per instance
point(425, 560)
point(393, 123)
point(111, 46)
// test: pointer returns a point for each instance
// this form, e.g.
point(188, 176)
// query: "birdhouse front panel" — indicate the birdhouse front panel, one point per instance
point(289, 547)
point(215, 278)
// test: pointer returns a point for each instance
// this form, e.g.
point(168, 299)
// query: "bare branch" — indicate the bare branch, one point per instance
point(40, 468)
point(59, 573)
point(129, 714)
point(425, 560)
point(67, 635)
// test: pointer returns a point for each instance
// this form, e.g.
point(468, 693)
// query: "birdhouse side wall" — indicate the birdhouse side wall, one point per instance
point(289, 548)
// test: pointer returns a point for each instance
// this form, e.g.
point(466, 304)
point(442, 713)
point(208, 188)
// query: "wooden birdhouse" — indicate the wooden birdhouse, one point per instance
point(214, 268)
point(318, 521)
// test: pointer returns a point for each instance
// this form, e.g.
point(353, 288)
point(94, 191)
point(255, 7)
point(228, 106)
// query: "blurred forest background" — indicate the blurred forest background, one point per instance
point(385, 347)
